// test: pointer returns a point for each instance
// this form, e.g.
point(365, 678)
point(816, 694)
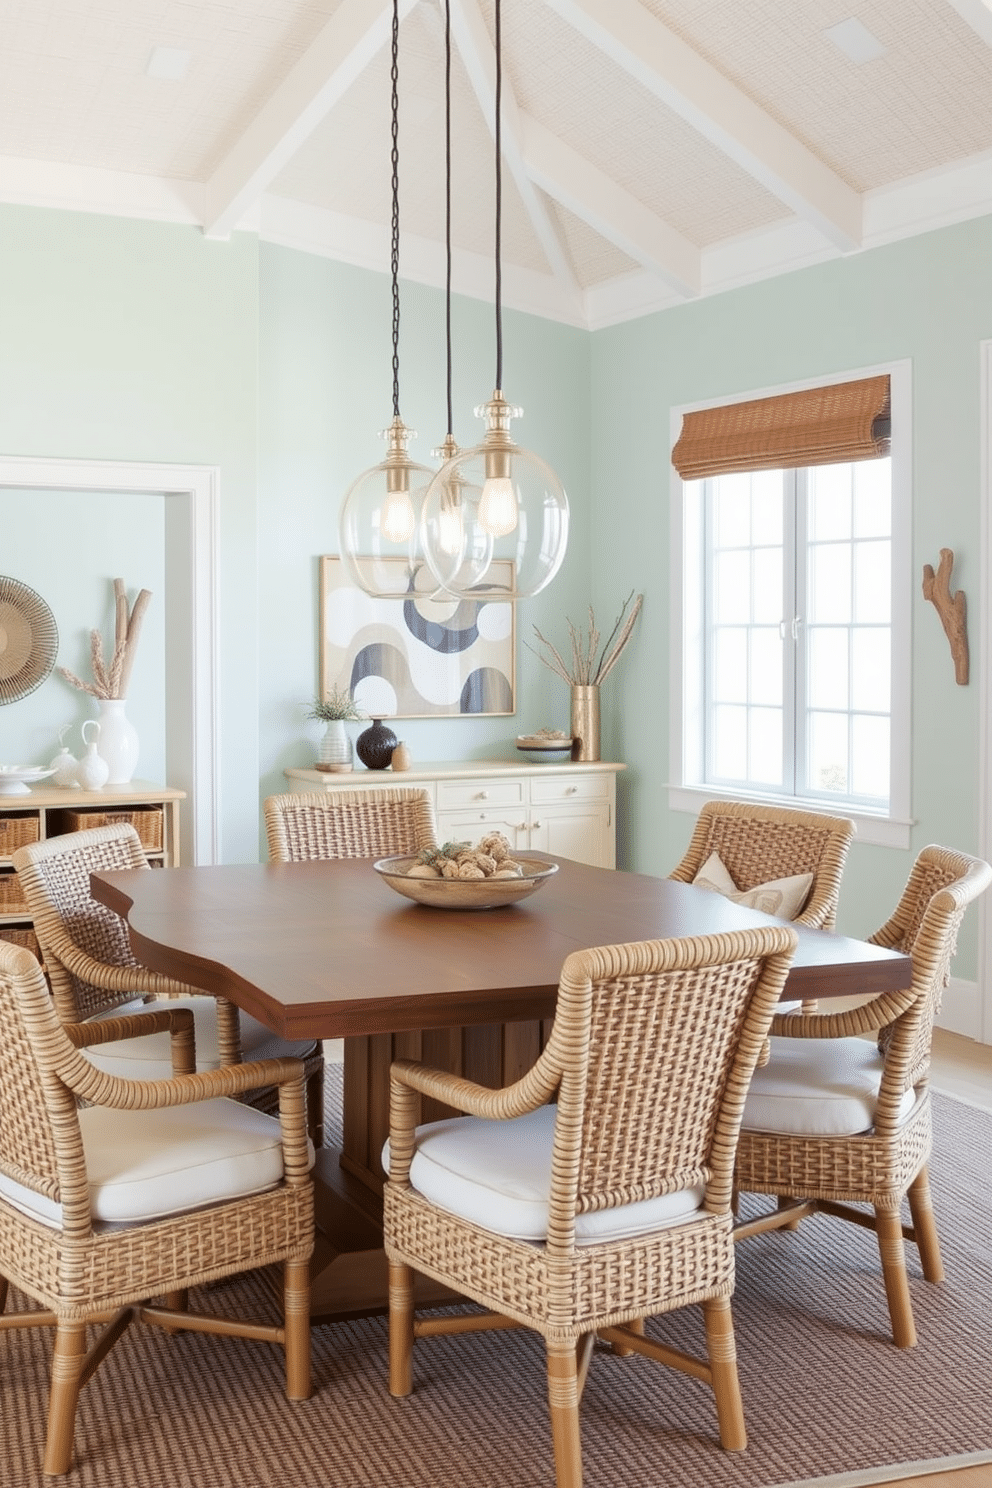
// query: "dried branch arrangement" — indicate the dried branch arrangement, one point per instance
point(952, 609)
point(112, 681)
point(590, 666)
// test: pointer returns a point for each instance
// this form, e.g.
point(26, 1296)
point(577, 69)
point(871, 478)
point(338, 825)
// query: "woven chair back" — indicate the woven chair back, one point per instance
point(55, 875)
point(758, 844)
point(941, 885)
point(27, 1143)
point(657, 1042)
point(348, 824)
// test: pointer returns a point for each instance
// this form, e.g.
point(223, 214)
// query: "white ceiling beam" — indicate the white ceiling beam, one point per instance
point(687, 84)
point(468, 30)
point(610, 210)
point(345, 47)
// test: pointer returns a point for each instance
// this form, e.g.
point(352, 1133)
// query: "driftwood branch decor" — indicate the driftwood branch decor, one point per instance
point(112, 681)
point(952, 609)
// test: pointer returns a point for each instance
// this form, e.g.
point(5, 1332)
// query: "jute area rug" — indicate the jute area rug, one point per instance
point(825, 1391)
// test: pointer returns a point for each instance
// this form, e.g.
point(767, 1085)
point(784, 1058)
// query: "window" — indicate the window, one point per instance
point(790, 667)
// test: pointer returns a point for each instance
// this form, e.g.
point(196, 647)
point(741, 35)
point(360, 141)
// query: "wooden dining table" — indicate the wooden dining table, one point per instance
point(327, 950)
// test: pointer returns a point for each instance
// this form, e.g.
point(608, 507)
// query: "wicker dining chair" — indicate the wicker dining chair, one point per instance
point(757, 844)
point(94, 973)
point(834, 1120)
point(348, 824)
point(584, 1217)
point(149, 1188)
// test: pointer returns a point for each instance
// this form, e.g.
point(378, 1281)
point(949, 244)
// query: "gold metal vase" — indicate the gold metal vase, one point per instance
point(585, 722)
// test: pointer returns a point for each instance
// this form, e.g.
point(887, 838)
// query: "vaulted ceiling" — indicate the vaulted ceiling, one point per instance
point(653, 150)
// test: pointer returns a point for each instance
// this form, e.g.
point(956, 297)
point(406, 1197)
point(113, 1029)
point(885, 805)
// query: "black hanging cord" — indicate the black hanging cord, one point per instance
point(499, 203)
point(447, 195)
point(394, 259)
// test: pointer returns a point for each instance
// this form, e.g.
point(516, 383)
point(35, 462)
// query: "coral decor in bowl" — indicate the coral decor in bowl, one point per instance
point(462, 893)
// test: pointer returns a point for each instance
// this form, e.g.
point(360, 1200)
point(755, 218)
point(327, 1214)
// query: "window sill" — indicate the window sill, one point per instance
point(880, 831)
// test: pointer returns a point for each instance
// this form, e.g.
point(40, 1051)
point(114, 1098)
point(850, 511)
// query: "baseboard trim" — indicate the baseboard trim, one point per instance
point(893, 1472)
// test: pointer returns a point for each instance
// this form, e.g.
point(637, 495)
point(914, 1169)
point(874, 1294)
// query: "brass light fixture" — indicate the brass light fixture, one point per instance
point(379, 524)
point(495, 501)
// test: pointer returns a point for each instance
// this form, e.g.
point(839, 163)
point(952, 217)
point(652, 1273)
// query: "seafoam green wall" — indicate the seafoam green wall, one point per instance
point(928, 299)
point(326, 391)
point(125, 340)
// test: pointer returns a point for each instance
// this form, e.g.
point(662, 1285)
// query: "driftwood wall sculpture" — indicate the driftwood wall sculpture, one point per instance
point(952, 609)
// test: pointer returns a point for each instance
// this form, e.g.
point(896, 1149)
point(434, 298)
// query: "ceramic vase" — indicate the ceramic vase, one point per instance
point(118, 741)
point(585, 722)
point(92, 770)
point(375, 746)
point(335, 752)
point(64, 764)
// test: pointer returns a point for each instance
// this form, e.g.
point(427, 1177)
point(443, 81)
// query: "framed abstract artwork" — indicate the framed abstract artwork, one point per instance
point(417, 657)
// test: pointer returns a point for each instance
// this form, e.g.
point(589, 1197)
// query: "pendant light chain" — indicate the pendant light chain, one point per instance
point(447, 196)
point(499, 200)
point(394, 259)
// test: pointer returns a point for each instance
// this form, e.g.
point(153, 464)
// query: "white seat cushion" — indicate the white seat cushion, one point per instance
point(497, 1174)
point(144, 1165)
point(783, 897)
point(149, 1058)
point(818, 1087)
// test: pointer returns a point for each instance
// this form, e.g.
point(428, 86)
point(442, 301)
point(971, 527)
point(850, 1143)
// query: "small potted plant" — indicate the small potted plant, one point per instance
point(335, 710)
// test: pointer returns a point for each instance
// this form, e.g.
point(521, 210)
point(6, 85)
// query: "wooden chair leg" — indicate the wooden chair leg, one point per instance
point(4, 1289)
point(635, 1326)
point(723, 1365)
point(401, 1329)
point(783, 1202)
point(890, 1245)
point(296, 1325)
point(925, 1226)
point(68, 1359)
point(563, 1399)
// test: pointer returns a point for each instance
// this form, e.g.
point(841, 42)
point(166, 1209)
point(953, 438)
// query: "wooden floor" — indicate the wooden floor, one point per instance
point(963, 1477)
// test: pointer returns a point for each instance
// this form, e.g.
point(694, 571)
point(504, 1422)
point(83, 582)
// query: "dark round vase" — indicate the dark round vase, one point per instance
point(375, 746)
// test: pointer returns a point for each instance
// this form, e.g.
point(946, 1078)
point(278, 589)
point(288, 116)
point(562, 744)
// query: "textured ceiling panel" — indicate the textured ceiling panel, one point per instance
point(73, 85)
point(618, 126)
point(926, 102)
point(592, 257)
point(344, 166)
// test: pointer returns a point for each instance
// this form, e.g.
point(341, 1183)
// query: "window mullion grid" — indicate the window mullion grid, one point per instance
point(794, 649)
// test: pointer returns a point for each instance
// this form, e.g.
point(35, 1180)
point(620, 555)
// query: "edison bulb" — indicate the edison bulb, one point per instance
point(498, 506)
point(397, 517)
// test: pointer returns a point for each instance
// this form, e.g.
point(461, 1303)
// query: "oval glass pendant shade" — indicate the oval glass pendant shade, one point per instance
point(379, 524)
point(495, 517)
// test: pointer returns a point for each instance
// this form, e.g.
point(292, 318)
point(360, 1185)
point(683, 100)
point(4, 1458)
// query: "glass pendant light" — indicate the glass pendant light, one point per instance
point(379, 524)
point(495, 517)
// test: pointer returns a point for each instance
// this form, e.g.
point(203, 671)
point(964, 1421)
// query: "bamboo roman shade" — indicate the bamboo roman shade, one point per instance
point(819, 426)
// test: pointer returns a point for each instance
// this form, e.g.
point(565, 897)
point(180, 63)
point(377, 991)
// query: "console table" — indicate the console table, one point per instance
point(566, 809)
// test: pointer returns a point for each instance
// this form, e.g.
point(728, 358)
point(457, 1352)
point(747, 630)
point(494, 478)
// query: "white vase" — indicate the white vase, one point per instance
point(118, 742)
point(92, 770)
point(335, 753)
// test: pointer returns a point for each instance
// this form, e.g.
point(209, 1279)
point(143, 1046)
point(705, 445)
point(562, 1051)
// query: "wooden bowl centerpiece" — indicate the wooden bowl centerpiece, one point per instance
point(457, 876)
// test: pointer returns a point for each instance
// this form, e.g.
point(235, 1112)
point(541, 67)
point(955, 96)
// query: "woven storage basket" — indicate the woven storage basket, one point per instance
point(12, 900)
point(22, 937)
point(15, 831)
point(147, 823)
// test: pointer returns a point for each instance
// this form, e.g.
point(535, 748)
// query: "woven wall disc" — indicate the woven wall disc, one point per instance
point(29, 640)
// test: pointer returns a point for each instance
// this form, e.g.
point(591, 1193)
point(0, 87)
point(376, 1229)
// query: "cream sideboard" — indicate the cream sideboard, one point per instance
point(45, 812)
point(568, 809)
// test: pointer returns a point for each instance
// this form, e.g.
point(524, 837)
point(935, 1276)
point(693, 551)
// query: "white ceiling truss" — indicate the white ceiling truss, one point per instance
point(703, 144)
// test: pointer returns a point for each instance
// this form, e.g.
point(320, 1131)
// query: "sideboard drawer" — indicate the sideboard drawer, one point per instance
point(481, 793)
point(566, 787)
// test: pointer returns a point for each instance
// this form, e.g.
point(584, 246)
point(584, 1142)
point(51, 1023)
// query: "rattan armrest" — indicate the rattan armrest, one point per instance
point(868, 1018)
point(465, 1095)
point(136, 979)
point(94, 1085)
point(176, 1021)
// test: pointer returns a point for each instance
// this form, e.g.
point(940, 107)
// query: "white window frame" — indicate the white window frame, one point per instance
point(687, 790)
